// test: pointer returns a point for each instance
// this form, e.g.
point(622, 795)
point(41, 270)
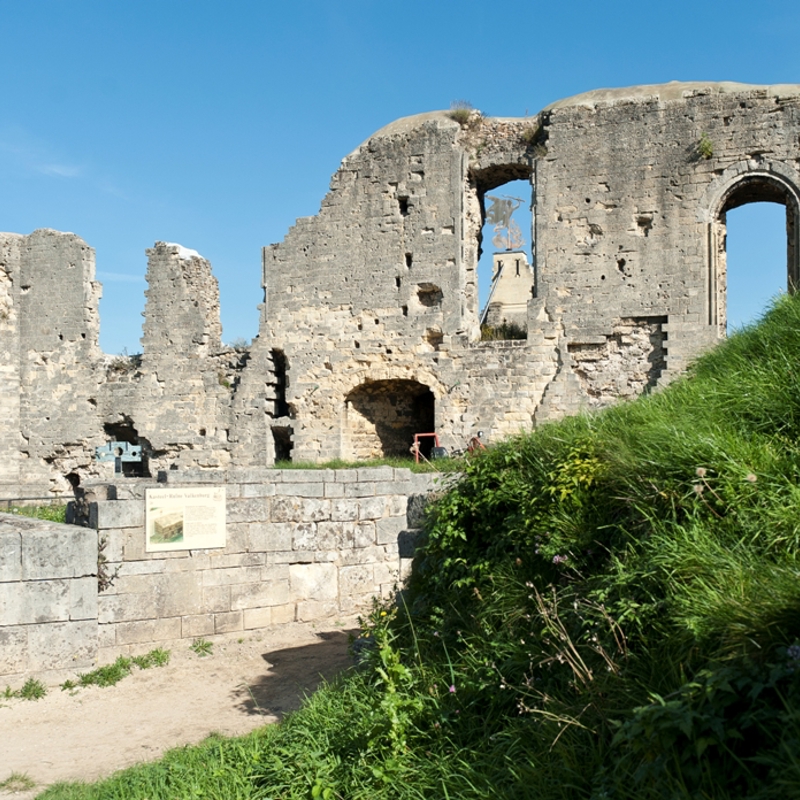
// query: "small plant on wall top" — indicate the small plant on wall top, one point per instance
point(461, 111)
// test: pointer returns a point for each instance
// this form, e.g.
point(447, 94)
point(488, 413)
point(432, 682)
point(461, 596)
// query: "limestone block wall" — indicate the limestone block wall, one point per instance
point(48, 597)
point(627, 200)
point(301, 545)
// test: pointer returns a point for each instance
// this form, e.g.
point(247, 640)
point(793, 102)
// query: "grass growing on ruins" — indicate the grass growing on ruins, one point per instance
point(424, 466)
point(49, 513)
point(608, 608)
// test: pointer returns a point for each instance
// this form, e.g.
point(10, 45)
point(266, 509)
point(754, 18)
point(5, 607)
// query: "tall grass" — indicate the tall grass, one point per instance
point(608, 608)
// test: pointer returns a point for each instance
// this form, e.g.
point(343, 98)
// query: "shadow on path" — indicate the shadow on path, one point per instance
point(294, 673)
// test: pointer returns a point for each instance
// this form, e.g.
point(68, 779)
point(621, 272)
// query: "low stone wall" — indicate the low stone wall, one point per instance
point(302, 545)
point(48, 596)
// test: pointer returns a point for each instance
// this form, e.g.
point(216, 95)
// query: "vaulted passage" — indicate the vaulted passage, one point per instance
point(381, 418)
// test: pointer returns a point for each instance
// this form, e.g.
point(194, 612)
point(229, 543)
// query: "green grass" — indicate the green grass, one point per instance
point(32, 689)
point(17, 782)
point(608, 608)
point(50, 513)
point(437, 465)
point(111, 674)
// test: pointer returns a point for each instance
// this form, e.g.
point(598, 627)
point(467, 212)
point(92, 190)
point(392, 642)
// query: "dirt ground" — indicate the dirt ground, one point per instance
point(249, 679)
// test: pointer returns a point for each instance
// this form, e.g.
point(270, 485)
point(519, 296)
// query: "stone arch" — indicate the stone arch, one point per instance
point(382, 416)
point(742, 183)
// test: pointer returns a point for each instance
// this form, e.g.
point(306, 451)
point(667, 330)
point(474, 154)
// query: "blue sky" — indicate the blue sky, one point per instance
point(216, 124)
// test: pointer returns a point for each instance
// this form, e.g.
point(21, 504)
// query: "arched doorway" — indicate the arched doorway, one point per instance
point(756, 187)
point(381, 418)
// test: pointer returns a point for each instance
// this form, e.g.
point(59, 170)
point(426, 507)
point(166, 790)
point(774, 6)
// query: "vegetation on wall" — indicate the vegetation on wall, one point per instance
point(608, 608)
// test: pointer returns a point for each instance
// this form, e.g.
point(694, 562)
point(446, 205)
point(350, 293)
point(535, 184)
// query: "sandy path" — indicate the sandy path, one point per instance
point(249, 679)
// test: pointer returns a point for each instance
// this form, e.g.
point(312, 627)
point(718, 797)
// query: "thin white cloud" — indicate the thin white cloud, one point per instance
point(59, 170)
point(35, 155)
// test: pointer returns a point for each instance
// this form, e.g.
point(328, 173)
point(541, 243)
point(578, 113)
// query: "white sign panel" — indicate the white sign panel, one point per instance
point(184, 519)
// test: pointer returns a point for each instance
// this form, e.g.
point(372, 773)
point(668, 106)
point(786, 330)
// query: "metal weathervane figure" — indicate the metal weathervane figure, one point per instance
point(507, 236)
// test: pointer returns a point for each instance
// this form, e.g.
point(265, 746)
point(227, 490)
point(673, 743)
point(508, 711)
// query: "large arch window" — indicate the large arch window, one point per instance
point(756, 187)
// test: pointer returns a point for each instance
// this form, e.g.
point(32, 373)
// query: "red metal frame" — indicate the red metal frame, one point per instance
point(417, 437)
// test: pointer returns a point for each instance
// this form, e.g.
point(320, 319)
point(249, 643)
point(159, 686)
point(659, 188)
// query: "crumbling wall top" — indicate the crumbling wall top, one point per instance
point(674, 90)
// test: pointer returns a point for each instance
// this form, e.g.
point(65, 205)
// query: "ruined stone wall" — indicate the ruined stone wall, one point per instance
point(177, 403)
point(373, 304)
point(625, 200)
point(49, 345)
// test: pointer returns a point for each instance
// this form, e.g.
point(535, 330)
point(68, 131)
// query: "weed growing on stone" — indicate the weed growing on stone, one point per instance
point(461, 111)
point(202, 647)
point(705, 147)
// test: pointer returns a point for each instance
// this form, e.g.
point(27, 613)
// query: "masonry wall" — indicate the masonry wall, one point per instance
point(302, 545)
point(48, 597)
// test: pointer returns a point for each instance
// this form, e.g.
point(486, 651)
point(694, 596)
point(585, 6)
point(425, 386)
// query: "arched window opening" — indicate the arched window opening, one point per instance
point(381, 418)
point(755, 245)
point(754, 250)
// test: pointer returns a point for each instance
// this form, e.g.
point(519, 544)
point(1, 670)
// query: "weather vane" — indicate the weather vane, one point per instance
point(507, 235)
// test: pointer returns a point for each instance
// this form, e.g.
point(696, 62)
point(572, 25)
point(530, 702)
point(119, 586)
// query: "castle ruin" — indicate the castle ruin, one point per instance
point(369, 327)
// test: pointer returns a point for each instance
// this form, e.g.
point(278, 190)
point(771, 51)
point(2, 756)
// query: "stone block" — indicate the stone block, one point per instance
point(216, 599)
point(197, 625)
point(62, 644)
point(231, 575)
point(250, 509)
point(228, 622)
point(295, 476)
point(256, 618)
point(310, 610)
point(83, 598)
point(334, 490)
point(259, 595)
point(64, 553)
point(10, 556)
point(357, 580)
point(304, 536)
point(13, 649)
point(283, 614)
point(125, 607)
point(376, 474)
point(372, 508)
point(344, 510)
point(364, 534)
point(148, 631)
point(359, 489)
point(389, 528)
point(116, 514)
point(258, 490)
point(313, 582)
point(335, 535)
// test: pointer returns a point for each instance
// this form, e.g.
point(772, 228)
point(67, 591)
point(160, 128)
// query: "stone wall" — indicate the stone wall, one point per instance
point(48, 597)
point(302, 545)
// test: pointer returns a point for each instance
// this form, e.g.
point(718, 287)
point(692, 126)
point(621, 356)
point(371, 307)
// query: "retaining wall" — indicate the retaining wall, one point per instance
point(302, 545)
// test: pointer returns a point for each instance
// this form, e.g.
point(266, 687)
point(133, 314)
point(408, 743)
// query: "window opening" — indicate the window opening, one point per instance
point(755, 245)
point(505, 272)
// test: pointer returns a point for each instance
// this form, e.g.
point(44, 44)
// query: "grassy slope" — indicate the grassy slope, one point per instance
point(609, 608)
